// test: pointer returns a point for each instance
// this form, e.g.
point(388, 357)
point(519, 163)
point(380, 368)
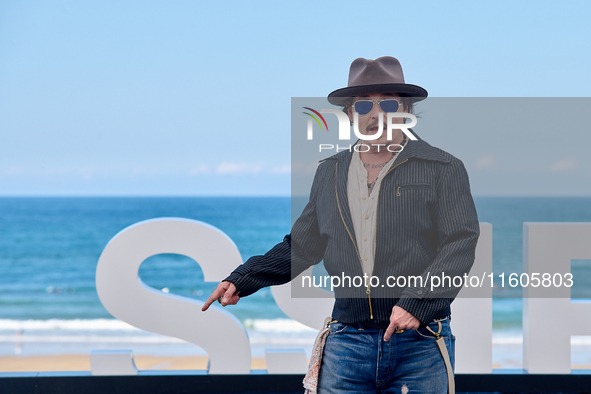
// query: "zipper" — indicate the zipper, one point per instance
point(368, 290)
point(342, 218)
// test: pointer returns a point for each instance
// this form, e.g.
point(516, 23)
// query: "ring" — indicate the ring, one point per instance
point(220, 300)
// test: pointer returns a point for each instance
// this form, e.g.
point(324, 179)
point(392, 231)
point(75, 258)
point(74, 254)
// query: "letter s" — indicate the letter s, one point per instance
point(126, 297)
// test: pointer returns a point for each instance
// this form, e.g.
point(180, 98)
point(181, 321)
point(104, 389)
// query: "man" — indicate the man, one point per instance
point(396, 208)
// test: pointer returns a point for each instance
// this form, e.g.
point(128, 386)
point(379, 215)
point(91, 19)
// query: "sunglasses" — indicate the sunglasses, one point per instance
point(363, 107)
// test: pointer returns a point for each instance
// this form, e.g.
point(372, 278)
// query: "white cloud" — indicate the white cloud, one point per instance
point(202, 169)
point(238, 168)
point(563, 165)
point(485, 162)
point(281, 169)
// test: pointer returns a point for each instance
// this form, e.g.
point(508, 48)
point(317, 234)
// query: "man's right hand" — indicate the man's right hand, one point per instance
point(227, 291)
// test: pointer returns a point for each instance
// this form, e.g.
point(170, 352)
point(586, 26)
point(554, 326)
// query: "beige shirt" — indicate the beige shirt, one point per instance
point(363, 207)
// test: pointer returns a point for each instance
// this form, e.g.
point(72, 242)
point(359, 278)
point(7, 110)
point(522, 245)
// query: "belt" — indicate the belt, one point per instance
point(375, 325)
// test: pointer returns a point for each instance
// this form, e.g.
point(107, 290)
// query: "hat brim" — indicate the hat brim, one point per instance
point(340, 96)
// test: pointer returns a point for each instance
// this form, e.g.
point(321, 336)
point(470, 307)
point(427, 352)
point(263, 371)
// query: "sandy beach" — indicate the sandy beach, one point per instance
point(81, 362)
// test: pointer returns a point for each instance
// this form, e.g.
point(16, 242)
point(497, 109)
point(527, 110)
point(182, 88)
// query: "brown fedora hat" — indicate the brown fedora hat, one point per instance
point(382, 75)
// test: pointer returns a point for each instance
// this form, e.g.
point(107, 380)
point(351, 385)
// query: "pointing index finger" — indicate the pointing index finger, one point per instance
point(214, 296)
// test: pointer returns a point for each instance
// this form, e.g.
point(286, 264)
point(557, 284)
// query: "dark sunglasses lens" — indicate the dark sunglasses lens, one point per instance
point(389, 105)
point(363, 107)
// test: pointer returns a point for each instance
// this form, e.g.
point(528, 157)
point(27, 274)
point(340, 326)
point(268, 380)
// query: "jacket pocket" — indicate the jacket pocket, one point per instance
point(411, 186)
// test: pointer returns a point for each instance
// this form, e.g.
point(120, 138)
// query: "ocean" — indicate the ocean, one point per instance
point(49, 248)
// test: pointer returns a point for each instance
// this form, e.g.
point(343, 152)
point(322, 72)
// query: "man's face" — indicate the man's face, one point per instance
point(368, 123)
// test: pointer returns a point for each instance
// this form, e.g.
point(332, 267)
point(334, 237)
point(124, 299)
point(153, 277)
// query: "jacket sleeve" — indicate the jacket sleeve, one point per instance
point(458, 229)
point(300, 249)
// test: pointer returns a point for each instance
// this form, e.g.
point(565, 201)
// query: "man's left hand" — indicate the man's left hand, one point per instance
point(400, 320)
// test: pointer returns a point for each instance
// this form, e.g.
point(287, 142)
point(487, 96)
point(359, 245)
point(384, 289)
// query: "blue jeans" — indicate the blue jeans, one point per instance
point(358, 360)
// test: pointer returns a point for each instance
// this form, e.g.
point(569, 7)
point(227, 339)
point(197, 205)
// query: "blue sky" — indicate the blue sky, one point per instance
point(193, 98)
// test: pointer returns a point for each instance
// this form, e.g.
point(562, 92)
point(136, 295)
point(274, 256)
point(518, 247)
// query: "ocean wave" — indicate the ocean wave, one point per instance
point(60, 324)
point(155, 339)
point(89, 339)
point(259, 325)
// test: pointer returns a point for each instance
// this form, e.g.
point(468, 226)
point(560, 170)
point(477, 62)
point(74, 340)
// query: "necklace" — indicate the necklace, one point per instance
point(370, 185)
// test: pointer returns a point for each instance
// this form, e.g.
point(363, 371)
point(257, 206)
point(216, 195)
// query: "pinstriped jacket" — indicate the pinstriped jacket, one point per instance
point(426, 226)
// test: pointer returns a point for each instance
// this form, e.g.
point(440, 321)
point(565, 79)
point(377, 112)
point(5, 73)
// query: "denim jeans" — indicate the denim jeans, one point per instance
point(359, 360)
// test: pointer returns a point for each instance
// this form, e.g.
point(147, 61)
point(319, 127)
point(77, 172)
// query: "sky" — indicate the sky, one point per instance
point(189, 98)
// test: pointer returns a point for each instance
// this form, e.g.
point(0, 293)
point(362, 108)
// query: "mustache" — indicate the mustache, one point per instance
point(375, 124)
